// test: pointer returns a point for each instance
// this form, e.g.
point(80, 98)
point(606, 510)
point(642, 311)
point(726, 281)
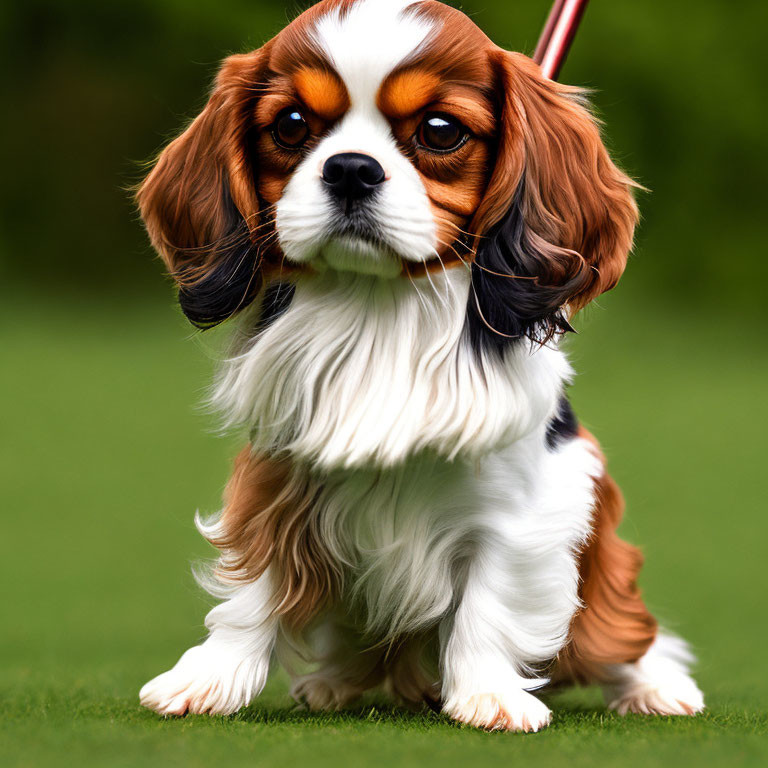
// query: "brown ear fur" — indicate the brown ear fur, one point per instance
point(577, 206)
point(199, 203)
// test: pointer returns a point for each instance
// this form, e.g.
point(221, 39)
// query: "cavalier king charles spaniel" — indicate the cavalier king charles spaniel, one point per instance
point(403, 217)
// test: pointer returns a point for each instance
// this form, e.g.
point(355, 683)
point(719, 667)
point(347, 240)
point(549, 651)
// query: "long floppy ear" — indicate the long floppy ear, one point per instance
point(555, 226)
point(200, 205)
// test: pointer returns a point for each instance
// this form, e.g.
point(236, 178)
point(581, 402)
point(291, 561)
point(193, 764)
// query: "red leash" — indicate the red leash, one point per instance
point(558, 34)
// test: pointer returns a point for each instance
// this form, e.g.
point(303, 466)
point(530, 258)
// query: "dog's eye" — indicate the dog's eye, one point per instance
point(290, 130)
point(441, 133)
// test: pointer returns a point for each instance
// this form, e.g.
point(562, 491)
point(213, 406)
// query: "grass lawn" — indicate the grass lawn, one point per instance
point(105, 458)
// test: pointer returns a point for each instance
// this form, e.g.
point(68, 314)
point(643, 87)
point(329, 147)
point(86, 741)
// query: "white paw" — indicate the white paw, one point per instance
point(518, 711)
point(205, 680)
point(317, 692)
point(677, 696)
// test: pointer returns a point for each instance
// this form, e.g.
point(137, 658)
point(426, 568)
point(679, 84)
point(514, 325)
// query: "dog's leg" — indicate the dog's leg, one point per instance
point(413, 677)
point(614, 640)
point(230, 667)
point(484, 666)
point(520, 591)
point(658, 684)
point(264, 542)
point(347, 667)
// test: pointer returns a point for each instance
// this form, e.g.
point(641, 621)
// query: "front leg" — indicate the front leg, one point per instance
point(485, 683)
point(519, 596)
point(521, 587)
point(346, 665)
point(230, 668)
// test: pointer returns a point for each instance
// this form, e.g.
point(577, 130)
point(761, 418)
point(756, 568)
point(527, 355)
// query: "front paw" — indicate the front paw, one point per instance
point(206, 679)
point(518, 711)
point(317, 692)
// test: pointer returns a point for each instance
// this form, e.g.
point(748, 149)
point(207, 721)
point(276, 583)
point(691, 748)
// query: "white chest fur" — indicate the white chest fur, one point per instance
point(366, 371)
point(407, 535)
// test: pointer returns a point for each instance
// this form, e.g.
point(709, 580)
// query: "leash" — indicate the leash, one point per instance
point(557, 36)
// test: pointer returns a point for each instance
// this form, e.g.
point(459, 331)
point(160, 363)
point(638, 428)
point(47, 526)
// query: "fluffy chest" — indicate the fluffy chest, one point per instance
point(405, 536)
point(362, 371)
point(400, 536)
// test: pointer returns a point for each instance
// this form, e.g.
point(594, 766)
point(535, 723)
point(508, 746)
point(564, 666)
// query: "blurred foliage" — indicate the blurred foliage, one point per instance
point(93, 88)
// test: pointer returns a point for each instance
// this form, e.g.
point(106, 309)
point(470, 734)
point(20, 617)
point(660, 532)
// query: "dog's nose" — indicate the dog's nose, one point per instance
point(352, 175)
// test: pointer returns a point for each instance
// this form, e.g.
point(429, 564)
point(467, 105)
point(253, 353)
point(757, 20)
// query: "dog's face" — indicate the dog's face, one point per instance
point(389, 137)
point(394, 130)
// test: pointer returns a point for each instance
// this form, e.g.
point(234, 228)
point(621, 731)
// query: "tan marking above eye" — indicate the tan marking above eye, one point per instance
point(406, 92)
point(322, 92)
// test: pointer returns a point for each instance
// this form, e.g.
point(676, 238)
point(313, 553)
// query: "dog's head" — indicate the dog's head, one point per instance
point(391, 137)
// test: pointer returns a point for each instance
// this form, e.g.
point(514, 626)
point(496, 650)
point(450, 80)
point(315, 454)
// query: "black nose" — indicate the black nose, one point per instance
point(352, 175)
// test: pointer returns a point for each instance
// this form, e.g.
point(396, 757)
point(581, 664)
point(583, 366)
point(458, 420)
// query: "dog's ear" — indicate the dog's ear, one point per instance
point(555, 226)
point(200, 203)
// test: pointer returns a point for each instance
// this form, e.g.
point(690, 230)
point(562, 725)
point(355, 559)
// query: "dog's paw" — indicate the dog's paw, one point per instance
point(518, 711)
point(205, 680)
point(679, 696)
point(318, 692)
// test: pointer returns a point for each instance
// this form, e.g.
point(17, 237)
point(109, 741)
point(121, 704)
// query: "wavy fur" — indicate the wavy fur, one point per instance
point(416, 507)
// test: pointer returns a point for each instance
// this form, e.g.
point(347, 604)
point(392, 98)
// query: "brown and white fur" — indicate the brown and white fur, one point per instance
point(417, 506)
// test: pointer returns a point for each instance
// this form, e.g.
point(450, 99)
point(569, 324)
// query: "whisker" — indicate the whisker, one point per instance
point(458, 229)
point(502, 274)
point(418, 292)
point(482, 267)
point(450, 246)
point(434, 288)
point(485, 322)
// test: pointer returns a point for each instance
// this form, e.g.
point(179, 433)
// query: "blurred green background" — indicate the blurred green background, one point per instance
point(104, 456)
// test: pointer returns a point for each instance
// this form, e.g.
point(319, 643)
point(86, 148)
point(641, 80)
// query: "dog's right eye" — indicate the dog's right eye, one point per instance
point(441, 133)
point(290, 129)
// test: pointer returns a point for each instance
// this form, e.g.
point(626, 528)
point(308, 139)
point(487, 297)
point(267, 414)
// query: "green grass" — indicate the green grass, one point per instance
point(104, 458)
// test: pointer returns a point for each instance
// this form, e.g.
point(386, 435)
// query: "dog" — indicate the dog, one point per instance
point(404, 217)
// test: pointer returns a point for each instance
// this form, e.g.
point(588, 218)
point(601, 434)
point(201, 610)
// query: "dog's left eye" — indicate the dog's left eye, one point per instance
point(441, 133)
point(290, 130)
